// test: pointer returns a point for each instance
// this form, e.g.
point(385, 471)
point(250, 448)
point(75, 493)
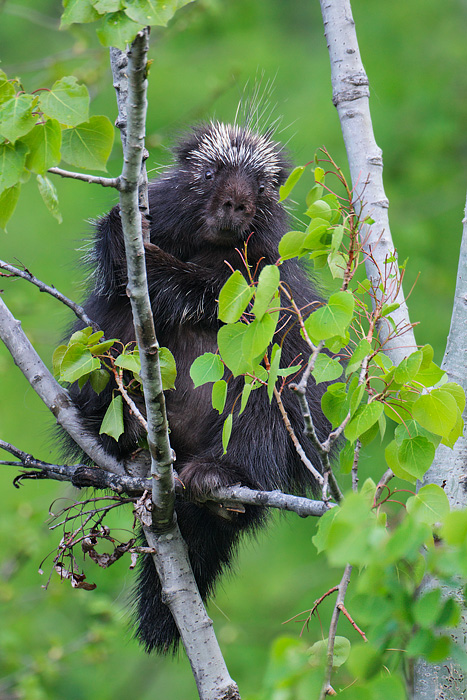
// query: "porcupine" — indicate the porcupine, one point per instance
point(221, 192)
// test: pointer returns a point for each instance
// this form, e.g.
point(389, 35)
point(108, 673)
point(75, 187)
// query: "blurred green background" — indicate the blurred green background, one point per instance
point(64, 643)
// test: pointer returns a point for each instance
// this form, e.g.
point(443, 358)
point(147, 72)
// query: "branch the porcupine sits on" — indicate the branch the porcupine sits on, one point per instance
point(221, 192)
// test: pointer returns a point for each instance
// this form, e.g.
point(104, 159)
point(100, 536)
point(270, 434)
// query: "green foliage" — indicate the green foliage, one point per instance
point(412, 402)
point(120, 20)
point(38, 130)
point(87, 357)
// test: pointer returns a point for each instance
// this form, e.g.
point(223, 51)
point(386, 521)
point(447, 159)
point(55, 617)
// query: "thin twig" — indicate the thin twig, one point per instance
point(325, 690)
point(92, 179)
point(25, 274)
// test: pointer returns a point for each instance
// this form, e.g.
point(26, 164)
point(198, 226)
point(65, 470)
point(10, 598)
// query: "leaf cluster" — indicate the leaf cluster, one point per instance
point(119, 21)
point(87, 357)
point(39, 130)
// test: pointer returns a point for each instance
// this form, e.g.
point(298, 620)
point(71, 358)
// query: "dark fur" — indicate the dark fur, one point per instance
point(201, 211)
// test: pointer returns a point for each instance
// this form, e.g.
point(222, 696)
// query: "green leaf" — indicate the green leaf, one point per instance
point(290, 183)
point(100, 348)
point(103, 6)
point(430, 375)
point(82, 336)
point(291, 244)
point(410, 428)
point(112, 423)
point(130, 361)
point(67, 102)
point(247, 389)
point(428, 354)
point(76, 362)
point(89, 144)
point(95, 337)
point(416, 454)
point(274, 368)
point(363, 419)
point(427, 608)
point(206, 368)
point(326, 369)
point(16, 117)
point(315, 193)
point(346, 458)
point(337, 236)
point(168, 369)
point(454, 528)
point(44, 143)
point(331, 319)
point(455, 433)
point(361, 351)
point(331, 200)
point(319, 174)
point(153, 12)
point(408, 368)
point(333, 403)
point(320, 209)
point(437, 411)
point(230, 343)
point(234, 297)
point(317, 236)
point(7, 90)
point(258, 336)
point(8, 201)
point(337, 263)
point(383, 362)
point(57, 358)
point(79, 12)
point(356, 395)
point(318, 652)
point(118, 30)
point(226, 432)
point(99, 380)
point(391, 454)
point(457, 392)
point(219, 395)
point(429, 505)
point(12, 160)
point(389, 308)
point(268, 283)
point(49, 195)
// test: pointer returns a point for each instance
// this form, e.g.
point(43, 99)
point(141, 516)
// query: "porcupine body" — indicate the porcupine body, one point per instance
point(221, 191)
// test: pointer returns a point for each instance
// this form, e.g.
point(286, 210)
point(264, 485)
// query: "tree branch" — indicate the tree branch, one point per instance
point(351, 98)
point(83, 476)
point(158, 435)
point(25, 274)
point(448, 471)
point(55, 397)
point(92, 179)
point(325, 690)
point(170, 558)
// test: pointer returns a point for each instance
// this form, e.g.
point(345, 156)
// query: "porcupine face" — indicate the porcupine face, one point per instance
point(234, 175)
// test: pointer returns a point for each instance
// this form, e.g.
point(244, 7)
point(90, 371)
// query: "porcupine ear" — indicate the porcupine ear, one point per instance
point(188, 143)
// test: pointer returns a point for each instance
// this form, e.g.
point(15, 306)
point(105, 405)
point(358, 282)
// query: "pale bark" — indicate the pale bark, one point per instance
point(350, 95)
point(447, 680)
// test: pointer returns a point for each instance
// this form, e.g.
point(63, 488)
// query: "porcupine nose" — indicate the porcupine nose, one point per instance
point(237, 205)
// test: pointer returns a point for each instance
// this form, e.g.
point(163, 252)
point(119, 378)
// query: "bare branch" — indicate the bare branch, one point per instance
point(325, 690)
point(92, 179)
point(83, 476)
point(25, 274)
point(134, 127)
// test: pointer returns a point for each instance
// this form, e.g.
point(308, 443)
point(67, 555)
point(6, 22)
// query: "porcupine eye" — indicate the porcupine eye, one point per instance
point(261, 188)
point(209, 174)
